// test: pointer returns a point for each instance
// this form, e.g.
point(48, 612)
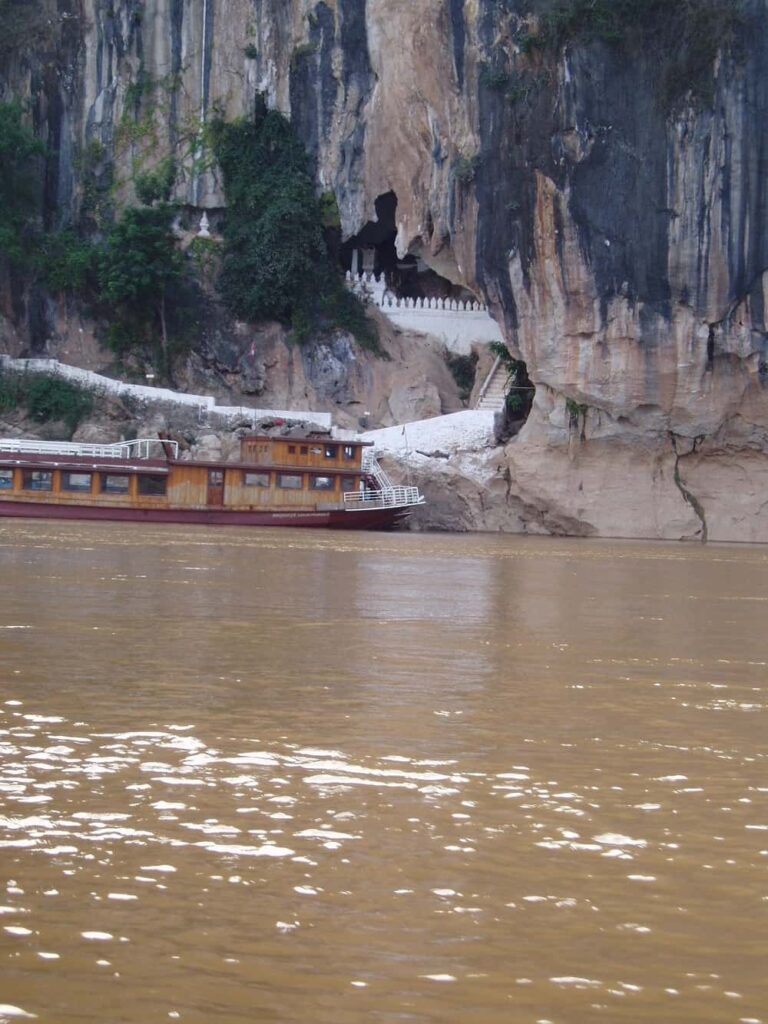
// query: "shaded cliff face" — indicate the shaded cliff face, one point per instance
point(622, 247)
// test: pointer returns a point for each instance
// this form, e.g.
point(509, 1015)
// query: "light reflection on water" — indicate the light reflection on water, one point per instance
point(274, 776)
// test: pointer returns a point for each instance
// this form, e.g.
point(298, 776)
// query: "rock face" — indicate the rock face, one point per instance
point(620, 242)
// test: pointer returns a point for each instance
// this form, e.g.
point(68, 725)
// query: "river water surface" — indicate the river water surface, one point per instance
point(278, 776)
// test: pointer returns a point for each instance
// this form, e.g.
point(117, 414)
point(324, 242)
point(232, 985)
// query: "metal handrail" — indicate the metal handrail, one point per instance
point(138, 448)
point(372, 468)
point(388, 497)
point(386, 494)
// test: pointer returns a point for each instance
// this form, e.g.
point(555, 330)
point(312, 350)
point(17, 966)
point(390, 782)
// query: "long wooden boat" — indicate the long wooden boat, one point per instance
point(313, 481)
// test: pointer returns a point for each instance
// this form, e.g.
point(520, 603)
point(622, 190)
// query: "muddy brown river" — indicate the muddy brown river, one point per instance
point(315, 778)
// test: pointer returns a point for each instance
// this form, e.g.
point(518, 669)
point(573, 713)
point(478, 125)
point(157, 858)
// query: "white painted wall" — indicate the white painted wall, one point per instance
point(459, 431)
point(205, 404)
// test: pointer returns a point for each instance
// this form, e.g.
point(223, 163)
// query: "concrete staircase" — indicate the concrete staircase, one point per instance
point(493, 392)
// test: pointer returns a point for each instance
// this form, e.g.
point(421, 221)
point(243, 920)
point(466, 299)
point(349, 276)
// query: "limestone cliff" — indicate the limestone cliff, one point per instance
point(619, 238)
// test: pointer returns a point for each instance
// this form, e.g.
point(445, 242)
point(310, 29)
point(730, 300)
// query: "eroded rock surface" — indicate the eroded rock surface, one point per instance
point(620, 242)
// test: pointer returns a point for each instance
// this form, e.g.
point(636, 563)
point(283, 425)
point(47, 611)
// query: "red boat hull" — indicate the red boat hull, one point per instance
point(359, 519)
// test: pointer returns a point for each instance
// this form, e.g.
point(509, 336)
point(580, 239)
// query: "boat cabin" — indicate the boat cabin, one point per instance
point(277, 480)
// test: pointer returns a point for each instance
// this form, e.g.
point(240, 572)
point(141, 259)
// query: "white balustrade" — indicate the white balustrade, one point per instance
point(456, 323)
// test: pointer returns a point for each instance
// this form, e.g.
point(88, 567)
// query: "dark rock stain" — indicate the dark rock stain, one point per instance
point(317, 89)
point(459, 35)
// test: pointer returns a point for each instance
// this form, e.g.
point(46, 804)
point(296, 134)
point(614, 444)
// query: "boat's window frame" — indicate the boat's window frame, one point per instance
point(121, 493)
point(329, 483)
point(281, 477)
point(331, 451)
point(349, 452)
point(69, 489)
point(6, 474)
point(156, 479)
point(256, 479)
point(350, 483)
point(29, 485)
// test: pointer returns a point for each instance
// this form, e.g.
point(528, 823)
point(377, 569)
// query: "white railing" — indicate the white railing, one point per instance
point(457, 324)
point(372, 468)
point(375, 288)
point(139, 448)
point(389, 497)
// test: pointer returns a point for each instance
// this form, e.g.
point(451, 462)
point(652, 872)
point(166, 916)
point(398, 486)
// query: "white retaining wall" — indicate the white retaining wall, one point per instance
point(205, 404)
point(457, 324)
point(458, 431)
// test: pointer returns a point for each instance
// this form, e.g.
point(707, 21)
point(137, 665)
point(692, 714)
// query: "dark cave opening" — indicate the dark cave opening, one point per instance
point(372, 250)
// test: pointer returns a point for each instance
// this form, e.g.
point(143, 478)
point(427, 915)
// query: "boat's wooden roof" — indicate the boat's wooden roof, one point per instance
point(52, 460)
point(85, 463)
point(308, 439)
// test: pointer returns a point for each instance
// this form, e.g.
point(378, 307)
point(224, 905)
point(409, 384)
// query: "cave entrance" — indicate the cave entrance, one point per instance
point(372, 251)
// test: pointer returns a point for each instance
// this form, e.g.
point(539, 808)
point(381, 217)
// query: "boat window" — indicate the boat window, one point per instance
point(304, 449)
point(349, 453)
point(151, 486)
point(330, 451)
point(6, 479)
point(289, 481)
point(38, 480)
point(291, 449)
point(256, 479)
point(321, 483)
point(115, 483)
point(215, 477)
point(349, 483)
point(76, 482)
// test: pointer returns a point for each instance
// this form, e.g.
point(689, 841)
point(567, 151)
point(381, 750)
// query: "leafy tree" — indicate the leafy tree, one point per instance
point(276, 265)
point(67, 261)
point(157, 185)
point(19, 179)
point(139, 265)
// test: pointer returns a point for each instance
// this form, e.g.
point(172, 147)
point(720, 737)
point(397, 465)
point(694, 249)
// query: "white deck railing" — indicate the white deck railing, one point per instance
point(387, 495)
point(139, 448)
point(390, 497)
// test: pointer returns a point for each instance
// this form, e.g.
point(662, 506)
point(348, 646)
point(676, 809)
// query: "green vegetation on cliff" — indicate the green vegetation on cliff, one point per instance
point(276, 265)
point(686, 35)
point(139, 265)
point(45, 398)
point(24, 23)
point(127, 276)
point(20, 152)
point(518, 390)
